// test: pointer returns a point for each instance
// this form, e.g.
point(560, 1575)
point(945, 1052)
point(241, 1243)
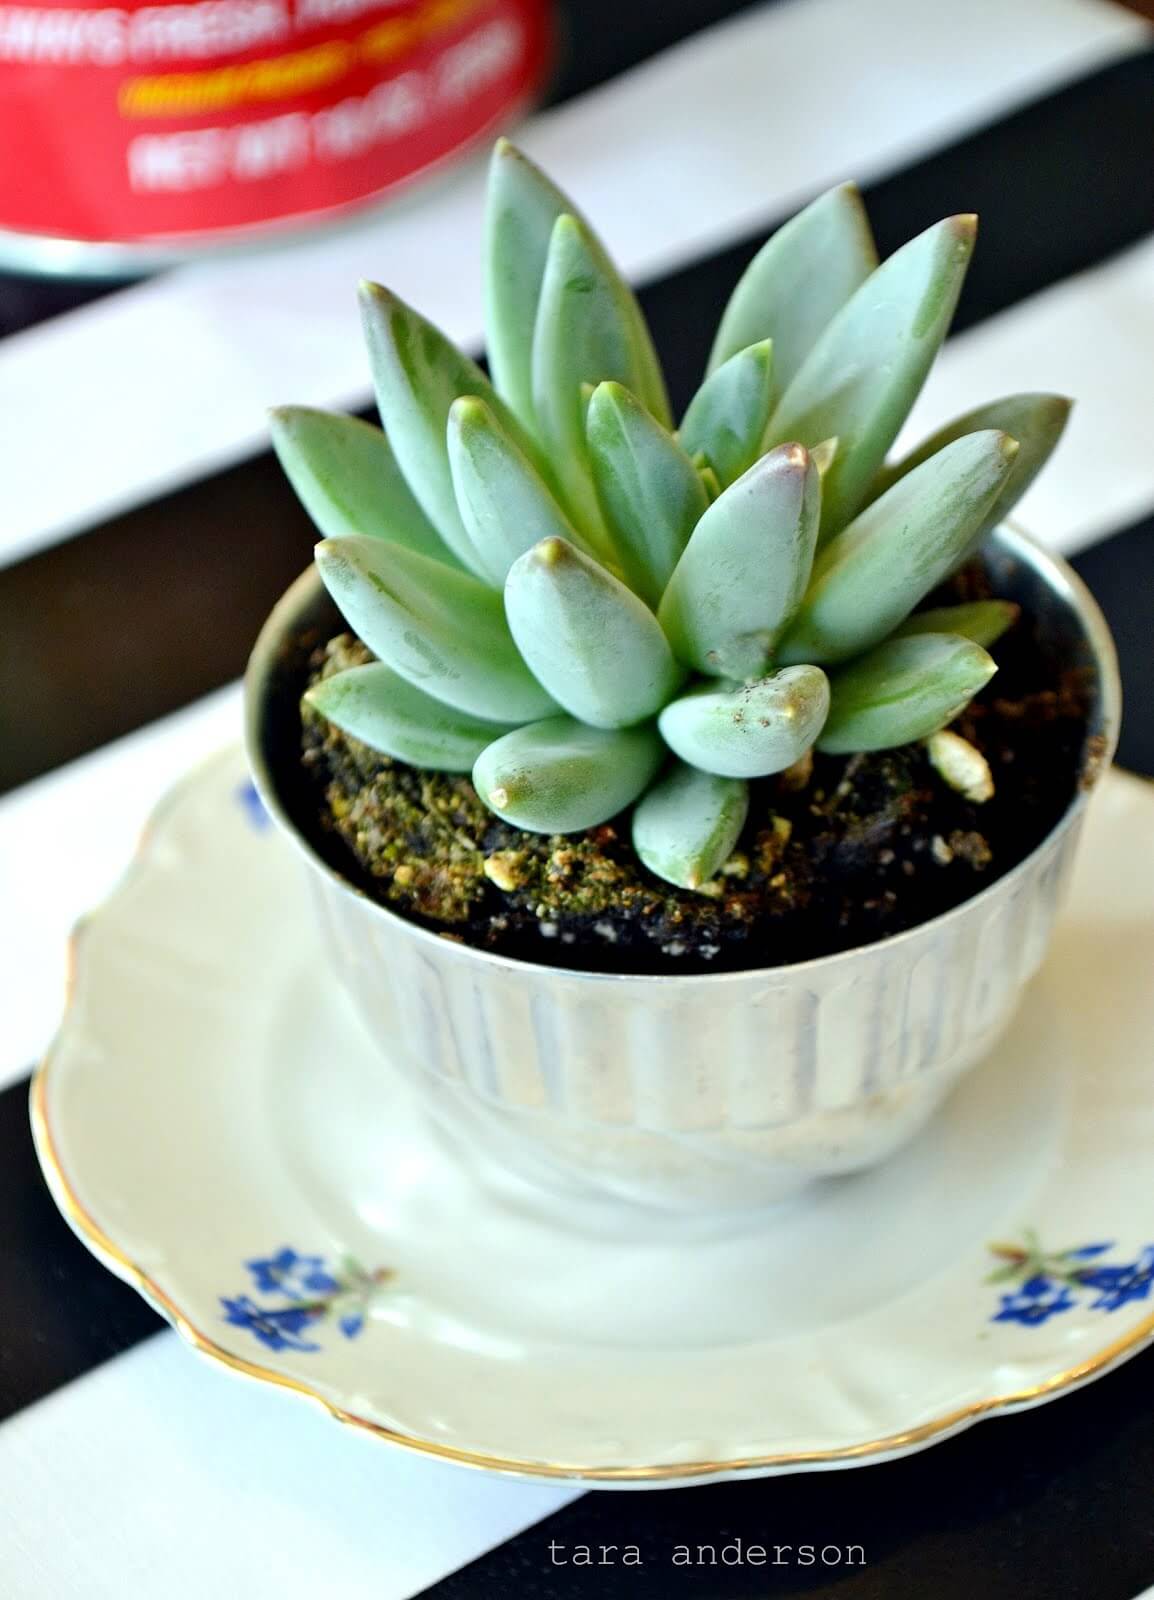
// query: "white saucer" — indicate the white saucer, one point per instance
point(218, 1130)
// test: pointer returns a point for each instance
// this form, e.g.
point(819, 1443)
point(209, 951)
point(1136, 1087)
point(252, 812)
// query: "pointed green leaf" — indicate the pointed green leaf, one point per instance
point(523, 206)
point(750, 731)
point(864, 373)
point(382, 710)
point(727, 416)
point(440, 629)
point(586, 332)
point(1036, 421)
point(797, 283)
point(348, 480)
point(745, 568)
point(824, 455)
point(594, 645)
point(983, 621)
point(710, 482)
point(561, 776)
point(867, 580)
point(686, 825)
point(504, 503)
point(418, 374)
point(649, 491)
point(904, 690)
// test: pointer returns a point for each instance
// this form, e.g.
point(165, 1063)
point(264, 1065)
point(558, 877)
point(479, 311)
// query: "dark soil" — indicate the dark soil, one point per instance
point(856, 849)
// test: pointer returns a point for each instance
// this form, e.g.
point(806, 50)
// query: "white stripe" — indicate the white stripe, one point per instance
point(65, 838)
point(64, 841)
point(1092, 337)
point(156, 1477)
point(136, 394)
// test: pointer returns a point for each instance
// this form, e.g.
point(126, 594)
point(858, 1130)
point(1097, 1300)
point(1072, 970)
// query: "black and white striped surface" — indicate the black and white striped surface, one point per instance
point(141, 540)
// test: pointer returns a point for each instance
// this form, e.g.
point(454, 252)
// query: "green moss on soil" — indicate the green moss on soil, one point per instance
point(837, 852)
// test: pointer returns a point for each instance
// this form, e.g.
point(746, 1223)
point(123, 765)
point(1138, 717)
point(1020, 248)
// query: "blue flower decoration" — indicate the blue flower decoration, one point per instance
point(1119, 1285)
point(292, 1275)
point(1036, 1301)
point(252, 805)
point(279, 1329)
point(1053, 1281)
point(307, 1292)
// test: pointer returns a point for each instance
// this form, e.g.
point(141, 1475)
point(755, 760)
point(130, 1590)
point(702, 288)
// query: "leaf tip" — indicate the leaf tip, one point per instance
point(1008, 447)
point(468, 410)
point(964, 228)
point(550, 552)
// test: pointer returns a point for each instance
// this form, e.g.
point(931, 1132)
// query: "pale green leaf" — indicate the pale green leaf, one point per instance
point(867, 580)
point(586, 332)
point(686, 825)
point(865, 371)
point(561, 776)
point(745, 568)
point(418, 373)
point(904, 690)
point(649, 491)
point(594, 645)
point(523, 206)
point(348, 480)
point(1036, 421)
point(438, 628)
point(375, 705)
point(505, 504)
point(797, 282)
point(749, 731)
point(727, 417)
point(983, 621)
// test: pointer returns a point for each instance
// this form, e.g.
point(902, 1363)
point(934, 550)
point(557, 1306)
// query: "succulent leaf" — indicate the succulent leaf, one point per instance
point(418, 374)
point(382, 710)
point(867, 580)
point(865, 371)
point(727, 417)
point(983, 621)
point(798, 281)
point(439, 629)
point(1036, 421)
point(594, 645)
point(348, 480)
point(752, 730)
point(649, 491)
point(586, 332)
point(504, 503)
point(686, 825)
point(823, 455)
point(523, 207)
point(561, 776)
point(709, 479)
point(906, 689)
point(745, 568)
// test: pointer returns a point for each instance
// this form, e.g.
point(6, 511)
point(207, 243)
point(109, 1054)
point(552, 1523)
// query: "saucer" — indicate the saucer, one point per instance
point(219, 1131)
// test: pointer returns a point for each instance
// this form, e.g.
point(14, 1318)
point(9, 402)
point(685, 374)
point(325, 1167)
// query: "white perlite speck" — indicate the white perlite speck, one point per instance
point(962, 766)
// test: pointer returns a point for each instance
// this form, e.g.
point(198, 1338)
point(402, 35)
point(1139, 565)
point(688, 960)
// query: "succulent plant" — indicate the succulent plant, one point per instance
point(589, 608)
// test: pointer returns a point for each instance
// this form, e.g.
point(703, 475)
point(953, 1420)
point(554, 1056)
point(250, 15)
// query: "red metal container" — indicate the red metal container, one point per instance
point(152, 129)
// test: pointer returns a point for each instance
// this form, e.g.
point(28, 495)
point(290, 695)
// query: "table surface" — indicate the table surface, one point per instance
point(128, 1469)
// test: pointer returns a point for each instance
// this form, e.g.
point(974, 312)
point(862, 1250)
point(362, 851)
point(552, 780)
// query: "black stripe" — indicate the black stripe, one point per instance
point(1120, 572)
point(61, 1312)
point(1049, 1505)
point(596, 41)
point(158, 606)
